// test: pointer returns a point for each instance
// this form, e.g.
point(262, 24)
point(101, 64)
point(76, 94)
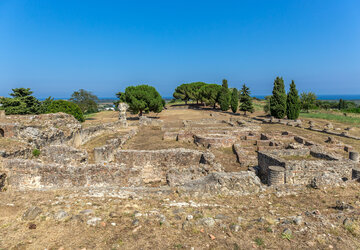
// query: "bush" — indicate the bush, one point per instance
point(66, 107)
point(36, 152)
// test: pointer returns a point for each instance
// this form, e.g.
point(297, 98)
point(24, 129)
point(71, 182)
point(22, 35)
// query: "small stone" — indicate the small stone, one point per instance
point(287, 232)
point(32, 213)
point(212, 237)
point(221, 217)
point(61, 215)
point(162, 218)
point(87, 212)
point(348, 222)
point(93, 221)
point(77, 218)
point(189, 217)
point(208, 222)
point(32, 226)
point(240, 219)
point(135, 222)
point(137, 214)
point(235, 228)
point(114, 215)
point(342, 206)
point(298, 220)
point(113, 224)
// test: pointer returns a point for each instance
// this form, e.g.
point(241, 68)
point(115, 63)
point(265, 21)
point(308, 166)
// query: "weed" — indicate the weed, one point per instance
point(36, 152)
point(259, 241)
point(286, 235)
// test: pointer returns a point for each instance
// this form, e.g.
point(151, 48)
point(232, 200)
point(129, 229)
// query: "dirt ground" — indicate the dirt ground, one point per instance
point(282, 218)
point(160, 222)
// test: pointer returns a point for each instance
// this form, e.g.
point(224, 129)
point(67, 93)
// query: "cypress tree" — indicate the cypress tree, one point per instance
point(245, 100)
point(225, 83)
point(234, 100)
point(341, 104)
point(224, 97)
point(293, 103)
point(278, 99)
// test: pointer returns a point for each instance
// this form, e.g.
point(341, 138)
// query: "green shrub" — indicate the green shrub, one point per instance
point(66, 107)
point(36, 152)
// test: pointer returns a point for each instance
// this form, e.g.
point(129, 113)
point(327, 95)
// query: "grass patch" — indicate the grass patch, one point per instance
point(87, 116)
point(332, 117)
point(259, 241)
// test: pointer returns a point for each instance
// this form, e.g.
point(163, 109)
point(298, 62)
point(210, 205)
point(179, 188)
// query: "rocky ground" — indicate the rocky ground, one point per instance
point(299, 218)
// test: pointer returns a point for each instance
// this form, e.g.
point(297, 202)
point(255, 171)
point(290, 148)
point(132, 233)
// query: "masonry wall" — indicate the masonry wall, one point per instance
point(302, 172)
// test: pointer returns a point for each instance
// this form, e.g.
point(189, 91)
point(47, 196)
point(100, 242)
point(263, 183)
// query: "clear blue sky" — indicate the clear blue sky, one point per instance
point(58, 46)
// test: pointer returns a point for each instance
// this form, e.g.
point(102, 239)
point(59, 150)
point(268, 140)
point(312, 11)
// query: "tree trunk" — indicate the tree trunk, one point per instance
point(141, 113)
point(214, 105)
point(185, 102)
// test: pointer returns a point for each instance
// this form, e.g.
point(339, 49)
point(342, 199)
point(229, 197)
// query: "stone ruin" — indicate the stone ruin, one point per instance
point(279, 158)
point(122, 113)
point(304, 166)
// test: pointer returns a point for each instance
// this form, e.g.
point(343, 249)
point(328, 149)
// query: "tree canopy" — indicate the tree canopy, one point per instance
point(308, 100)
point(210, 94)
point(182, 92)
point(142, 98)
point(189, 91)
point(22, 103)
point(85, 100)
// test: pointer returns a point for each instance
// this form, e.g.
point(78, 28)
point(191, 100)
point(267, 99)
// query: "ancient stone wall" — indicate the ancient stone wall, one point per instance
point(237, 183)
point(63, 154)
point(106, 152)
point(89, 133)
point(42, 130)
point(157, 168)
point(315, 163)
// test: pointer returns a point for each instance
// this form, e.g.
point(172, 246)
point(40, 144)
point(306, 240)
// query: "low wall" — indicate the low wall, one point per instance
point(106, 152)
point(91, 132)
point(166, 158)
point(156, 168)
point(28, 174)
point(237, 183)
point(63, 154)
point(303, 171)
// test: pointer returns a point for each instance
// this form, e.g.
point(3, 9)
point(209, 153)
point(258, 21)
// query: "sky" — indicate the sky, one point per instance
point(56, 47)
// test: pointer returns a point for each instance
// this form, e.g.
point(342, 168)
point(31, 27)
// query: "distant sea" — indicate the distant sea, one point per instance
point(320, 97)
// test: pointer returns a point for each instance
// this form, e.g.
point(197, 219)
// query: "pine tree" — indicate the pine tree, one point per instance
point(293, 103)
point(278, 99)
point(234, 100)
point(224, 96)
point(245, 100)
